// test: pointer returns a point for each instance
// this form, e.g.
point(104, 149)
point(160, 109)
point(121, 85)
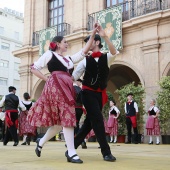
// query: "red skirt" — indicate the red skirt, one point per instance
point(112, 125)
point(24, 126)
point(56, 105)
point(156, 128)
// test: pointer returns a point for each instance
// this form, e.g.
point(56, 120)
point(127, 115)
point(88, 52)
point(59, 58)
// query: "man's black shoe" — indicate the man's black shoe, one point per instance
point(127, 142)
point(109, 158)
point(83, 145)
point(15, 144)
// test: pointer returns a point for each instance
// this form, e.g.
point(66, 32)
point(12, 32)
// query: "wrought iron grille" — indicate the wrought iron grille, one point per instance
point(62, 29)
point(134, 8)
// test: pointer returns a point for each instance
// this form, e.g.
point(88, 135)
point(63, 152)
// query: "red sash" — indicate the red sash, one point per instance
point(8, 120)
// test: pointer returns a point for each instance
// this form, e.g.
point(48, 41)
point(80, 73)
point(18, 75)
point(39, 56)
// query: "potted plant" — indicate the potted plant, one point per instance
point(163, 100)
point(139, 93)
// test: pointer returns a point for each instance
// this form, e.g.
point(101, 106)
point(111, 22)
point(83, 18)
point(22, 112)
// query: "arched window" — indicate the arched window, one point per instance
point(56, 12)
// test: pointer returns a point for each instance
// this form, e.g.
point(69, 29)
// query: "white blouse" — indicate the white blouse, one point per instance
point(154, 108)
point(46, 57)
point(115, 108)
point(77, 73)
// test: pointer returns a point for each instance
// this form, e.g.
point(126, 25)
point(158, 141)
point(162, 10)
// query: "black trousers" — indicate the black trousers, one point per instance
point(12, 130)
point(79, 113)
point(129, 130)
point(94, 120)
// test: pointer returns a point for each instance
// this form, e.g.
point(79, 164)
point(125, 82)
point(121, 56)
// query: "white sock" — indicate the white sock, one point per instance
point(150, 139)
point(115, 139)
point(51, 132)
point(24, 138)
point(111, 138)
point(69, 138)
point(157, 139)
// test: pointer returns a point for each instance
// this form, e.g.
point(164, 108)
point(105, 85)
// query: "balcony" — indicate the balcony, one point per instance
point(60, 29)
point(134, 8)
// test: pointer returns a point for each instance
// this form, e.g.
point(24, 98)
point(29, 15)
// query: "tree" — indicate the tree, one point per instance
point(163, 101)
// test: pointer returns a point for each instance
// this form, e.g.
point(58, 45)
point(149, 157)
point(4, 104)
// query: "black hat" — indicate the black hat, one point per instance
point(96, 38)
point(80, 80)
point(130, 94)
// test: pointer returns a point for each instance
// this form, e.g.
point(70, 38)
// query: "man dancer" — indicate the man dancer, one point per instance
point(94, 95)
point(11, 103)
point(131, 111)
point(79, 108)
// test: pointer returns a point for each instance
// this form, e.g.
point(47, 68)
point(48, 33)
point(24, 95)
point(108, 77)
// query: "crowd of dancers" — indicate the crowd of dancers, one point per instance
point(57, 105)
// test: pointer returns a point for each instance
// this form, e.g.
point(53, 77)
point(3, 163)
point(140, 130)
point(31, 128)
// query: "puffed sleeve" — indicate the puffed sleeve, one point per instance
point(111, 57)
point(42, 61)
point(156, 109)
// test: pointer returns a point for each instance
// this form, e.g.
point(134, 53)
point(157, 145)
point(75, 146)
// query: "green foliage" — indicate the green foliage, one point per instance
point(138, 96)
point(163, 100)
point(33, 100)
point(106, 107)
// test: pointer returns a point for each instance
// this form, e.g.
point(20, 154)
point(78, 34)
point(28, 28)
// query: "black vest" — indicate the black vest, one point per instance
point(130, 109)
point(96, 73)
point(28, 106)
point(55, 65)
point(113, 112)
point(152, 112)
point(11, 102)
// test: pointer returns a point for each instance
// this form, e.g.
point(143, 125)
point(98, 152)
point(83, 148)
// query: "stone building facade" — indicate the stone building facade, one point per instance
point(145, 56)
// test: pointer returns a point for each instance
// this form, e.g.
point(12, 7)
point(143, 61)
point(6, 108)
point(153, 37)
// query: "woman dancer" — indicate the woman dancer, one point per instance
point(56, 105)
point(112, 121)
point(152, 123)
point(25, 129)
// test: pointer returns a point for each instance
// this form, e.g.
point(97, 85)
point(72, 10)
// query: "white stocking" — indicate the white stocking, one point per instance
point(51, 132)
point(111, 138)
point(150, 139)
point(69, 138)
point(24, 138)
point(157, 139)
point(115, 139)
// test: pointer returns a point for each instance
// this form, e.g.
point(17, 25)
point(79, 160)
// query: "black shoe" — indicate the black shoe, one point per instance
point(70, 159)
point(15, 144)
point(99, 147)
point(135, 142)
point(109, 158)
point(23, 143)
point(158, 143)
point(83, 145)
point(115, 142)
point(128, 142)
point(37, 151)
point(150, 143)
point(28, 140)
point(4, 143)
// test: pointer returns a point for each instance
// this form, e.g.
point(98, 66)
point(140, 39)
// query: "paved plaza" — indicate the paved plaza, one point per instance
point(129, 157)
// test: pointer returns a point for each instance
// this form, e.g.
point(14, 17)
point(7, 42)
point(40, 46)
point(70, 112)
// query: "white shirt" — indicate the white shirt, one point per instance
point(77, 73)
point(154, 108)
point(115, 108)
point(21, 105)
point(46, 57)
point(135, 106)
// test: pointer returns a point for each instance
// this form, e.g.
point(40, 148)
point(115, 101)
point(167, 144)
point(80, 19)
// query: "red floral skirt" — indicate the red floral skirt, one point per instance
point(112, 125)
point(24, 126)
point(56, 105)
point(156, 128)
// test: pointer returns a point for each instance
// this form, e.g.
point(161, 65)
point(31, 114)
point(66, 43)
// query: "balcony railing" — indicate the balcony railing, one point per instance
point(134, 8)
point(61, 29)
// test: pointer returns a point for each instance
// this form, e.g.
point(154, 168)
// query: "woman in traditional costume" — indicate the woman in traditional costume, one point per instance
point(152, 123)
point(56, 105)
